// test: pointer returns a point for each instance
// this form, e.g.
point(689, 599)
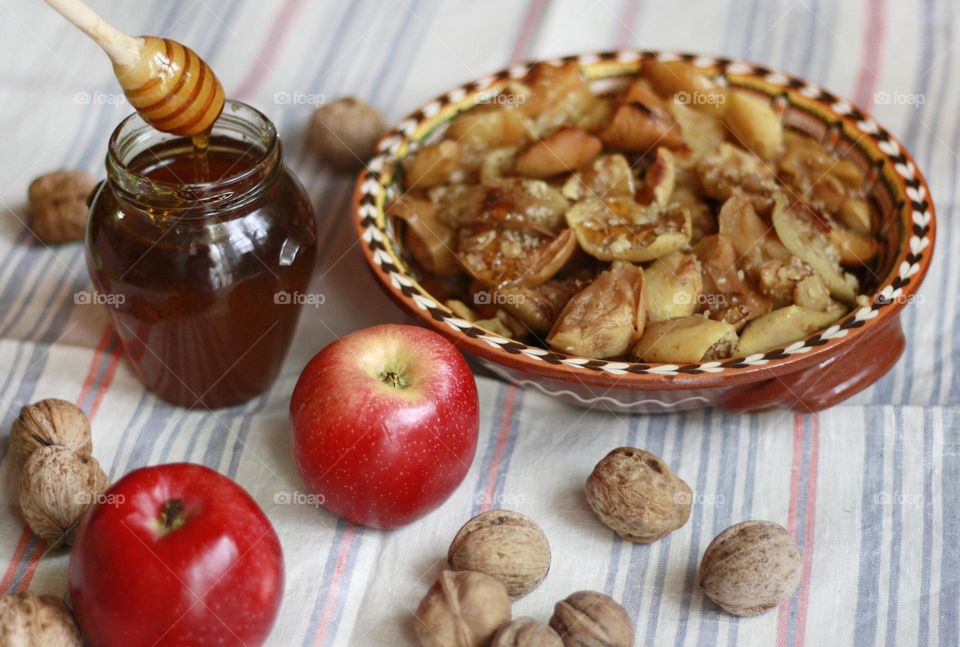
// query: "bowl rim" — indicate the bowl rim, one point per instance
point(907, 186)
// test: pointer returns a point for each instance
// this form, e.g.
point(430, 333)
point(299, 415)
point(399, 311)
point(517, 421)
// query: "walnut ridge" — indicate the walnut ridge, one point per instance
point(345, 132)
point(526, 632)
point(28, 620)
point(637, 495)
point(592, 619)
point(57, 486)
point(751, 567)
point(503, 544)
point(49, 422)
point(462, 609)
point(58, 205)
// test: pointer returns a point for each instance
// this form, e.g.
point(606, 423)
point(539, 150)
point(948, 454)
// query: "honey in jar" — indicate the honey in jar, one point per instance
point(202, 256)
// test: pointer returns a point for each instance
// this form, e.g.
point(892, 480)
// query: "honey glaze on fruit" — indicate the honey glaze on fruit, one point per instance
point(200, 260)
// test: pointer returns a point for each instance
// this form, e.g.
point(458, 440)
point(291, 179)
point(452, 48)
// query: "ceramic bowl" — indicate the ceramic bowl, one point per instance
point(807, 375)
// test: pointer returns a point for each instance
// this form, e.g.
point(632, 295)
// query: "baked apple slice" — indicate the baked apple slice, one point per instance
point(619, 229)
point(601, 320)
point(498, 256)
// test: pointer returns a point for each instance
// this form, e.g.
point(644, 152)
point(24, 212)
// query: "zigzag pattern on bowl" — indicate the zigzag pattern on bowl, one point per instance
point(373, 192)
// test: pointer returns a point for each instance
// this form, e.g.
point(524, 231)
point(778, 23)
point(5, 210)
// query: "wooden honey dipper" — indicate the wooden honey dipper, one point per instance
point(172, 88)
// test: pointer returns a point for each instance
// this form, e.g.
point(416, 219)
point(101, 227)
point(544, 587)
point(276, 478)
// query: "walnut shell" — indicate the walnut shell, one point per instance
point(345, 132)
point(57, 486)
point(592, 619)
point(751, 567)
point(49, 422)
point(637, 495)
point(28, 620)
point(462, 609)
point(503, 544)
point(526, 632)
point(58, 205)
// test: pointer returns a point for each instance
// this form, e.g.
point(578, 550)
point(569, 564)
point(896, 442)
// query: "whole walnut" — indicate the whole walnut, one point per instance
point(751, 567)
point(28, 620)
point(57, 486)
point(462, 609)
point(345, 132)
point(503, 544)
point(58, 205)
point(592, 619)
point(526, 632)
point(637, 495)
point(49, 422)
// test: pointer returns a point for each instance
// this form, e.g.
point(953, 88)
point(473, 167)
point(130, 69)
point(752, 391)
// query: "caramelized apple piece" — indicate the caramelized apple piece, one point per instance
point(637, 128)
point(539, 307)
point(559, 95)
point(431, 165)
point(783, 326)
point(564, 151)
point(857, 215)
point(659, 179)
point(753, 122)
point(620, 229)
point(607, 176)
point(733, 170)
point(727, 296)
point(686, 340)
point(686, 84)
point(807, 236)
point(778, 280)
point(487, 127)
point(813, 294)
point(855, 249)
point(503, 324)
point(702, 133)
point(600, 321)
point(673, 286)
point(429, 240)
point(511, 202)
point(500, 256)
point(753, 239)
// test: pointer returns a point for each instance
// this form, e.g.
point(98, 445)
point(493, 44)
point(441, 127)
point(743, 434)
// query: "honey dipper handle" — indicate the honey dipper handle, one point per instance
point(122, 49)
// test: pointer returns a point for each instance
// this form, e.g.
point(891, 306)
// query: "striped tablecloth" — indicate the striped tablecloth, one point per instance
point(869, 489)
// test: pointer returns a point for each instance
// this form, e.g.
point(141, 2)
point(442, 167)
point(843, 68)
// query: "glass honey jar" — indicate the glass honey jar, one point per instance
point(200, 252)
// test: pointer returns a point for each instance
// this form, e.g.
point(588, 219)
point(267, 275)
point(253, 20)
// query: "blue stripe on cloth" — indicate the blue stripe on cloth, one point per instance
point(656, 595)
point(504, 467)
point(800, 531)
point(926, 556)
point(696, 528)
point(343, 594)
point(746, 507)
point(871, 528)
point(896, 529)
point(950, 557)
point(640, 555)
point(722, 501)
point(495, 422)
point(325, 582)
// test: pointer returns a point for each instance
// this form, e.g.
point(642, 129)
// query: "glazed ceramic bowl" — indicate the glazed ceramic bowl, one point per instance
point(807, 375)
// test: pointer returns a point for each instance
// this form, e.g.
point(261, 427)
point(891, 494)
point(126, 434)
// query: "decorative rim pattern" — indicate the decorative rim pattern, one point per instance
point(905, 183)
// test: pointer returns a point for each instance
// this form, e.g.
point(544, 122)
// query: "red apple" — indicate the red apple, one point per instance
point(384, 424)
point(175, 555)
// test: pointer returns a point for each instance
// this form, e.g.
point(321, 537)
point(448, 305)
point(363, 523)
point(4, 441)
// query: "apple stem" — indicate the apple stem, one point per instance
point(172, 515)
point(394, 379)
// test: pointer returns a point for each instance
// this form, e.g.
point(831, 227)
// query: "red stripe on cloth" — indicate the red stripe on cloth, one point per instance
point(15, 559)
point(269, 49)
point(99, 389)
point(630, 10)
point(333, 590)
point(535, 12)
point(874, 31)
point(493, 470)
point(783, 617)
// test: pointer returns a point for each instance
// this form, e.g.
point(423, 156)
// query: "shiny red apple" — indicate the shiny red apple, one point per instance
point(384, 424)
point(175, 555)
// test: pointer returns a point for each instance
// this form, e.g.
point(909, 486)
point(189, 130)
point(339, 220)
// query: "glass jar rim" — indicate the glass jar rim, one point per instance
point(133, 136)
